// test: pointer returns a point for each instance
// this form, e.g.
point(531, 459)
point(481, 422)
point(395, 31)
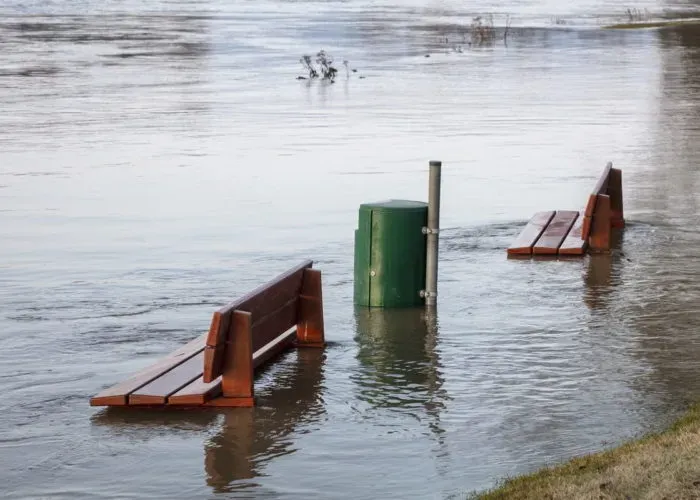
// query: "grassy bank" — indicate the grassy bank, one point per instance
point(658, 466)
point(655, 24)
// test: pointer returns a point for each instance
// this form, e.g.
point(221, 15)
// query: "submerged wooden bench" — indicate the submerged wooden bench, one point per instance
point(570, 232)
point(216, 369)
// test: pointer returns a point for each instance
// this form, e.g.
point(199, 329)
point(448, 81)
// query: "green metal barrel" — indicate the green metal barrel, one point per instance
point(390, 254)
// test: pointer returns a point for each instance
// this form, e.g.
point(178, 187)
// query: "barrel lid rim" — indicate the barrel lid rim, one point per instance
point(395, 204)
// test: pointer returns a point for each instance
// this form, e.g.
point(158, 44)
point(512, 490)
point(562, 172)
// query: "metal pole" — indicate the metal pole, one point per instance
point(432, 231)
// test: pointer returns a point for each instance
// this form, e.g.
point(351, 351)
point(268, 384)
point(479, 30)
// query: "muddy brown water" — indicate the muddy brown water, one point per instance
point(160, 159)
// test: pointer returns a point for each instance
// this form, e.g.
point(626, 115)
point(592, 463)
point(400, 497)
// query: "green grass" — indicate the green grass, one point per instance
point(655, 24)
point(657, 466)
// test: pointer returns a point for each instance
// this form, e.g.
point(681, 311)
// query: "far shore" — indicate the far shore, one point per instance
point(654, 24)
point(656, 466)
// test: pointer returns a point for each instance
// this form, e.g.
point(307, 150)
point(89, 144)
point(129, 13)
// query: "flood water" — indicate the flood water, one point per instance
point(159, 159)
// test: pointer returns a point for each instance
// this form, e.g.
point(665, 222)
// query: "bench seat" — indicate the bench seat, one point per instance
point(216, 368)
point(568, 232)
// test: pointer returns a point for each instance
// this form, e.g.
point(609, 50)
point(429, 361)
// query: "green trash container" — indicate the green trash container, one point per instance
point(390, 254)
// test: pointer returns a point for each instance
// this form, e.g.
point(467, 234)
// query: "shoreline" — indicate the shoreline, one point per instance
point(658, 465)
point(652, 24)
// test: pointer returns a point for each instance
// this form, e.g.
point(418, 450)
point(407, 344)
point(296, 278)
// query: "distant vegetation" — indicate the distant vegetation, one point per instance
point(637, 16)
point(482, 32)
point(322, 67)
point(639, 19)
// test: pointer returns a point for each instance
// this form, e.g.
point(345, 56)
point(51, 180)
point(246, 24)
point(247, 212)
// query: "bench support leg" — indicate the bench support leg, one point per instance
point(310, 328)
point(601, 226)
point(615, 193)
point(237, 376)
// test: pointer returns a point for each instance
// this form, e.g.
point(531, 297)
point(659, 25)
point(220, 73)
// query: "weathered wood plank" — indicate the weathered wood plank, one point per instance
point(199, 392)
point(117, 394)
point(616, 202)
point(266, 298)
point(271, 326)
point(237, 377)
point(601, 226)
point(555, 233)
point(261, 302)
point(573, 244)
point(310, 322)
point(601, 187)
point(157, 391)
point(530, 234)
point(276, 347)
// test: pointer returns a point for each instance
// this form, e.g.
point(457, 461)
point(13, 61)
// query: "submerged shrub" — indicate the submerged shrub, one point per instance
point(322, 67)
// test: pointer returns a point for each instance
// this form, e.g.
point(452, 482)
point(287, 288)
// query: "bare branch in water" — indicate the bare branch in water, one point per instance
point(324, 62)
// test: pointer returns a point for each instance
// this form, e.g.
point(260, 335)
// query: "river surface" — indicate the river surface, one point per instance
point(159, 159)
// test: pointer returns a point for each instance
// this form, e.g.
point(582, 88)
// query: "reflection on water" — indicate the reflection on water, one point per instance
point(243, 440)
point(251, 437)
point(397, 350)
point(160, 160)
point(603, 273)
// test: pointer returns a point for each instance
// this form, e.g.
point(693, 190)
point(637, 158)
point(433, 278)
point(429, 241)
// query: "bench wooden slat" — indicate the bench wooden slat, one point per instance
point(199, 392)
point(590, 205)
point(530, 234)
point(601, 187)
point(259, 303)
point(573, 244)
point(555, 232)
point(266, 329)
point(268, 297)
point(615, 193)
point(117, 394)
point(157, 392)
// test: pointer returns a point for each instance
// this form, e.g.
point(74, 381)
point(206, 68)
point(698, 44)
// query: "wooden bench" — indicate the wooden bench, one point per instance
point(216, 369)
point(567, 232)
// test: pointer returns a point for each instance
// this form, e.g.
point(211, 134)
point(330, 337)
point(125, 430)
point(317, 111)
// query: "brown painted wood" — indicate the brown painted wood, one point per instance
point(117, 394)
point(199, 392)
point(266, 298)
point(274, 294)
point(281, 344)
point(601, 226)
point(310, 324)
point(555, 233)
point(216, 345)
point(237, 378)
point(157, 391)
point(601, 186)
point(573, 244)
point(189, 376)
point(224, 402)
point(271, 326)
point(590, 205)
point(261, 302)
point(530, 234)
point(615, 193)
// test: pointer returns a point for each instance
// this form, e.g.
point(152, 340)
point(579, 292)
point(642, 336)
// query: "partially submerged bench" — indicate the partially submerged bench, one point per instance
point(216, 369)
point(570, 232)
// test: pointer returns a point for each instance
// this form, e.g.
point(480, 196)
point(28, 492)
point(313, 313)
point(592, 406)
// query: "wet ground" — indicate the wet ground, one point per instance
point(158, 161)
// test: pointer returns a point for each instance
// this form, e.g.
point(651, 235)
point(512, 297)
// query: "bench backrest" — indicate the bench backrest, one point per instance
point(269, 311)
point(604, 202)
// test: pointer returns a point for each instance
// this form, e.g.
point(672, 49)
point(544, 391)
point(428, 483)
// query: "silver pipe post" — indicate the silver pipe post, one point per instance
point(433, 232)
